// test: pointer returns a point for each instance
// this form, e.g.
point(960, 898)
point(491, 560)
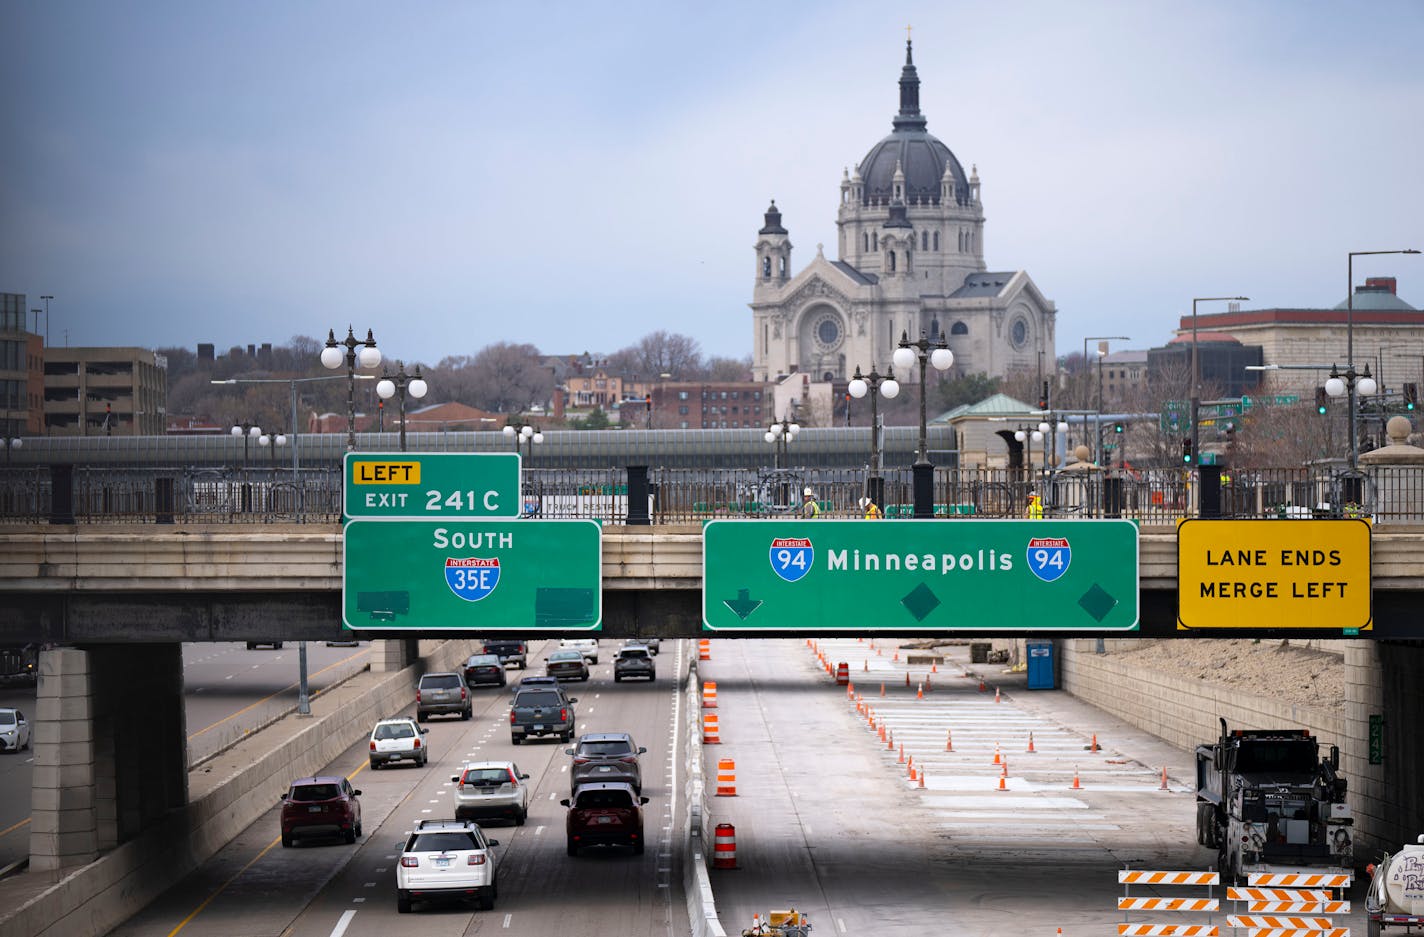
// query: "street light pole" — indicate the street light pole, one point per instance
point(780, 434)
point(1196, 371)
point(876, 385)
point(1350, 349)
point(368, 357)
point(401, 383)
point(1098, 417)
point(46, 302)
point(941, 358)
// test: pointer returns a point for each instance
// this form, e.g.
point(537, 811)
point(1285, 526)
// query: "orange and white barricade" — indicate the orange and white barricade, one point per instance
point(704, 649)
point(724, 847)
point(1299, 879)
point(1168, 930)
point(710, 734)
point(726, 777)
point(1144, 877)
point(709, 695)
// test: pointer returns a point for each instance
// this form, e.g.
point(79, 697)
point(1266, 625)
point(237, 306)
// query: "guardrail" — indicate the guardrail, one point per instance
point(93, 495)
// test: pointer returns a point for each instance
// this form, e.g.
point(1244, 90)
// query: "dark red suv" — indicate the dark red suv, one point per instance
point(606, 813)
point(321, 806)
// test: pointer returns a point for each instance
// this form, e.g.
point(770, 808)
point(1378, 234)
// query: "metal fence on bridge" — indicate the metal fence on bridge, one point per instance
point(277, 495)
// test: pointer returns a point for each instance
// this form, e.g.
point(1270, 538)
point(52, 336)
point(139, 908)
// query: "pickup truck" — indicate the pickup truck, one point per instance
point(541, 710)
point(508, 652)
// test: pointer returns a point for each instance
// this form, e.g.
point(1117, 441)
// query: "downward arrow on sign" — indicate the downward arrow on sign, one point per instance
point(743, 605)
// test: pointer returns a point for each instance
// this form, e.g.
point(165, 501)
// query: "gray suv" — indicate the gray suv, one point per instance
point(444, 694)
point(635, 660)
point(606, 756)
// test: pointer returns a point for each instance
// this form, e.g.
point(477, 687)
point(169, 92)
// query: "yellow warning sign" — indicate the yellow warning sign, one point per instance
point(1289, 574)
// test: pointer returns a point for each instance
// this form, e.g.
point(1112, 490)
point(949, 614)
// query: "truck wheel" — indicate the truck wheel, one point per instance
point(514, 740)
point(573, 850)
point(1223, 866)
point(1372, 928)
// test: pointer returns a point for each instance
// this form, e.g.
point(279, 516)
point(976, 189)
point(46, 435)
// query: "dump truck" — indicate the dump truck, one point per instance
point(1268, 802)
point(1396, 895)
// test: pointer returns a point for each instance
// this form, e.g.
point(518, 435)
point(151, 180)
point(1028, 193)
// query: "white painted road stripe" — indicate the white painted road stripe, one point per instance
point(342, 923)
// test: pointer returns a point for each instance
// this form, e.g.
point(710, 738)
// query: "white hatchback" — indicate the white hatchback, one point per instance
point(399, 739)
point(447, 859)
point(14, 731)
point(491, 789)
point(588, 647)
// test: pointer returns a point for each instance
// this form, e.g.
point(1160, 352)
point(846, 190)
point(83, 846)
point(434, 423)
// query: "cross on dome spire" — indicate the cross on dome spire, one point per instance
point(909, 117)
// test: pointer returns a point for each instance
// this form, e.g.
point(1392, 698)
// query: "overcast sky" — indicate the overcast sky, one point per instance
point(576, 175)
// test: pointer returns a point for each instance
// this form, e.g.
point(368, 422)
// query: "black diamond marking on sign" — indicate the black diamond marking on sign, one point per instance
point(920, 601)
point(1097, 602)
point(743, 605)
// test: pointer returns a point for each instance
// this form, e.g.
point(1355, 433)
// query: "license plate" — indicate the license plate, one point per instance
point(605, 819)
point(538, 728)
point(605, 768)
point(313, 810)
point(442, 862)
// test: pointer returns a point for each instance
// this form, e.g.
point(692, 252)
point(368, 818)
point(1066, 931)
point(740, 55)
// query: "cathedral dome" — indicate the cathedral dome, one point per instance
point(913, 150)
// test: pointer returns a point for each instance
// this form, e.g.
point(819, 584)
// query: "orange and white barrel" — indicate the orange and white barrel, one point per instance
point(709, 729)
point(704, 649)
point(724, 847)
point(709, 695)
point(726, 777)
point(842, 673)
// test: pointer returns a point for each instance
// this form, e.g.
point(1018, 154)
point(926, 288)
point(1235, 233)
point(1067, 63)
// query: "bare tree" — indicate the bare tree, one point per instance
point(510, 378)
point(726, 369)
point(668, 353)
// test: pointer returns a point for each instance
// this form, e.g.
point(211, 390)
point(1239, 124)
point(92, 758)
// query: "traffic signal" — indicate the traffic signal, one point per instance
point(1043, 397)
point(1411, 396)
point(1117, 427)
point(1321, 401)
point(1187, 450)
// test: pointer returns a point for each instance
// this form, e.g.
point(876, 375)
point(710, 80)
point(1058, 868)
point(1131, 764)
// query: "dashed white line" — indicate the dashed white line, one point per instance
point(507, 918)
point(840, 922)
point(342, 923)
point(538, 829)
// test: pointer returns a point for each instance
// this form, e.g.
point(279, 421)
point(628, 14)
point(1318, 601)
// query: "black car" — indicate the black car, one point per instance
point(508, 652)
point(484, 669)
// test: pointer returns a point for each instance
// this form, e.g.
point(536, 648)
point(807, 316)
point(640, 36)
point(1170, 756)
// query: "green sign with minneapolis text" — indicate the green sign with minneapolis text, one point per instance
point(935, 575)
point(472, 575)
point(431, 484)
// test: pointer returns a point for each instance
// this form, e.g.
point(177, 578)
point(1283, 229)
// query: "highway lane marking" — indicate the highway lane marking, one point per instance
point(223, 887)
point(11, 829)
point(840, 923)
point(507, 918)
point(343, 923)
point(538, 829)
point(269, 696)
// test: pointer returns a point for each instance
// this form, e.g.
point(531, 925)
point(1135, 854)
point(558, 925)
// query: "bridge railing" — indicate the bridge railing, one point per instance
point(1393, 494)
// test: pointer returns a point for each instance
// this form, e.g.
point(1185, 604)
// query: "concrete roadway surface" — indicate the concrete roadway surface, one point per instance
point(255, 888)
point(828, 822)
point(229, 692)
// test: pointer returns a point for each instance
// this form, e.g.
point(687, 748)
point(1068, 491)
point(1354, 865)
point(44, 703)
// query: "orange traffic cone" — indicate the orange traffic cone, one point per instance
point(897, 656)
point(982, 687)
point(850, 691)
point(922, 779)
point(882, 689)
point(1164, 778)
point(948, 740)
point(907, 678)
point(1076, 785)
point(865, 665)
point(902, 754)
point(920, 693)
point(934, 668)
point(911, 763)
point(1030, 741)
point(998, 760)
point(927, 683)
point(1094, 746)
point(996, 694)
point(1003, 782)
point(890, 741)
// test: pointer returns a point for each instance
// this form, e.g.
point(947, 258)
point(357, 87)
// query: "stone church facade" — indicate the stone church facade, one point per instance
point(910, 259)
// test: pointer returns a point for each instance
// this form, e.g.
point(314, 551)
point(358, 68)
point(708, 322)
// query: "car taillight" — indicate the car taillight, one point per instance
point(410, 862)
point(463, 692)
point(477, 859)
point(417, 695)
point(373, 744)
point(512, 778)
point(417, 743)
point(563, 715)
point(629, 759)
point(511, 717)
point(581, 759)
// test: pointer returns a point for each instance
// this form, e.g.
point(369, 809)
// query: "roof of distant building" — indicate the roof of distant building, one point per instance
point(1203, 338)
point(993, 405)
point(983, 285)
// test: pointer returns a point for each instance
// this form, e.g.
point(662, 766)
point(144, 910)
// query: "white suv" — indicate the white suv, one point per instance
point(399, 739)
point(588, 647)
point(447, 859)
point(491, 789)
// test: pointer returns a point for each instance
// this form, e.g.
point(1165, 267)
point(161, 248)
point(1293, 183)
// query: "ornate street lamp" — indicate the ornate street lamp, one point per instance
point(1349, 375)
point(358, 354)
point(938, 355)
point(780, 435)
point(876, 385)
point(1029, 436)
point(525, 433)
point(402, 383)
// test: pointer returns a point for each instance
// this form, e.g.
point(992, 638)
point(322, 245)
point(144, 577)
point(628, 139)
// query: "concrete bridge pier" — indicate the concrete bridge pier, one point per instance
point(391, 655)
point(111, 750)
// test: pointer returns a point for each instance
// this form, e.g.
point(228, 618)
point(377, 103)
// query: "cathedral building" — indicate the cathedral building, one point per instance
point(910, 259)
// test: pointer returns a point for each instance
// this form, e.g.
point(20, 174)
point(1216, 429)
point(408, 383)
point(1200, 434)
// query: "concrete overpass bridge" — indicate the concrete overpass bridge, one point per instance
point(113, 602)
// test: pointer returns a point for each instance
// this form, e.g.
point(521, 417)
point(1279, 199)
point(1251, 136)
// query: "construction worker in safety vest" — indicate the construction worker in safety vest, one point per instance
point(1034, 511)
point(871, 509)
point(809, 507)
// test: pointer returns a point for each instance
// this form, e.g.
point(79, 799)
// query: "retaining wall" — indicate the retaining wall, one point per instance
point(226, 795)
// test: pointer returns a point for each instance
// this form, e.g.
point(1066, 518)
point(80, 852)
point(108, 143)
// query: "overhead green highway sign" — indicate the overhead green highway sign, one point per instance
point(432, 484)
point(935, 575)
point(463, 575)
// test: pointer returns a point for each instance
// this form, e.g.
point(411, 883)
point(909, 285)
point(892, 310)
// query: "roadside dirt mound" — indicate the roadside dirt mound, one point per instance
point(1301, 675)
